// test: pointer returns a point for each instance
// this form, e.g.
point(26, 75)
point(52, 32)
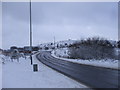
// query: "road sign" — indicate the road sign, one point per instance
point(35, 67)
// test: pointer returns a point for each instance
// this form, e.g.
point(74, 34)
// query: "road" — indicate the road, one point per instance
point(94, 77)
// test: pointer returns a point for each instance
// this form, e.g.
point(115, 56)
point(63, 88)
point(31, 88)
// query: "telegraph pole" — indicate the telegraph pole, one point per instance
point(54, 41)
point(35, 66)
point(31, 34)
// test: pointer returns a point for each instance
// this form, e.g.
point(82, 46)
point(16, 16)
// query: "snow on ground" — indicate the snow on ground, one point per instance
point(58, 43)
point(109, 63)
point(62, 52)
point(21, 75)
point(0, 73)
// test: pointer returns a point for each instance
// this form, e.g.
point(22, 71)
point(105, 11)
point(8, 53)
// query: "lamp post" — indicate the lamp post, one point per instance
point(35, 66)
point(31, 34)
point(54, 41)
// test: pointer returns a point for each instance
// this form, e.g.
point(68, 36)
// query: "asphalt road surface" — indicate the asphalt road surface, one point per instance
point(94, 77)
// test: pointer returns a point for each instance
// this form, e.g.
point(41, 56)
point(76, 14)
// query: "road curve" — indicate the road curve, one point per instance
point(94, 77)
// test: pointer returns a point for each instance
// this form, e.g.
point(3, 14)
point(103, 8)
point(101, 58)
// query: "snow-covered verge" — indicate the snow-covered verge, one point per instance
point(0, 73)
point(108, 63)
point(62, 52)
point(20, 75)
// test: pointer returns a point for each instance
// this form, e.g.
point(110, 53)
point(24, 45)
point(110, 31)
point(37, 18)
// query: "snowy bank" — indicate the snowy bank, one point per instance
point(62, 52)
point(108, 63)
point(21, 75)
point(0, 72)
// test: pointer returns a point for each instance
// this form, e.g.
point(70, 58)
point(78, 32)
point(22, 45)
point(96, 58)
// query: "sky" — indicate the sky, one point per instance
point(62, 20)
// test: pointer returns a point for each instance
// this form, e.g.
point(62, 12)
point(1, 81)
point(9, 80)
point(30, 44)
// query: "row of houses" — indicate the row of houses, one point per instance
point(25, 49)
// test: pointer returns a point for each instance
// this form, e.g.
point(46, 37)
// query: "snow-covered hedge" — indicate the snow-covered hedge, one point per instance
point(92, 48)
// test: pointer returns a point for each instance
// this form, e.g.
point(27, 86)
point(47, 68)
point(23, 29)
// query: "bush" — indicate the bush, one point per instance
point(118, 44)
point(92, 48)
point(46, 48)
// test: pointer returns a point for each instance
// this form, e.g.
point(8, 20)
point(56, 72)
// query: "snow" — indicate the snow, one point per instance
point(108, 63)
point(62, 52)
point(20, 75)
point(68, 42)
point(0, 73)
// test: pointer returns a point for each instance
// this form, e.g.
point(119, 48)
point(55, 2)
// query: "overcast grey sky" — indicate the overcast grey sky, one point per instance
point(64, 20)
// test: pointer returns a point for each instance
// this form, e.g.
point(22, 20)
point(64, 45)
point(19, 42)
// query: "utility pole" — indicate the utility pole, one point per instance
point(35, 66)
point(31, 34)
point(54, 41)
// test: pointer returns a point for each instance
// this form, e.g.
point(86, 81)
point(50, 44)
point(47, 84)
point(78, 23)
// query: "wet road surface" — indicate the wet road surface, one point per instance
point(94, 77)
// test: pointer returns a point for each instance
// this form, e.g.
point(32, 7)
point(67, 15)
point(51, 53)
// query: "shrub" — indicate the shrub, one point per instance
point(46, 48)
point(118, 44)
point(92, 48)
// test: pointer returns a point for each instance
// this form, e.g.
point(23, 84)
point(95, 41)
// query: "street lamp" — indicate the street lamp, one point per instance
point(31, 34)
point(35, 66)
